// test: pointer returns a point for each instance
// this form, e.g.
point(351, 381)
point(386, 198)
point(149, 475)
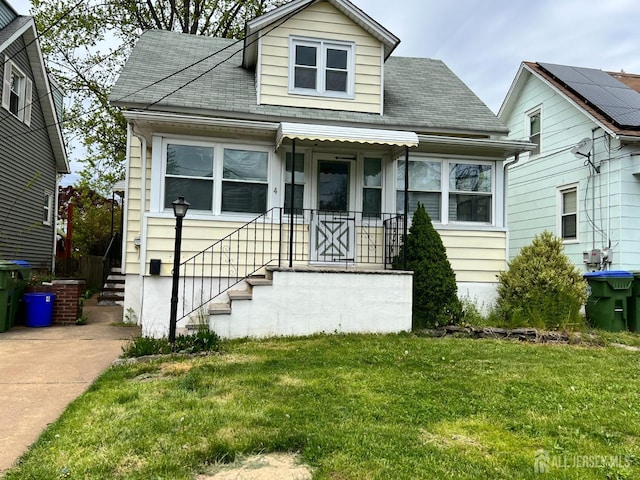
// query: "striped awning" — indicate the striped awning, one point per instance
point(332, 133)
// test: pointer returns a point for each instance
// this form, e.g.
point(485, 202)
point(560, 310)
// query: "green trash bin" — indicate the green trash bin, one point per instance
point(633, 319)
point(7, 286)
point(607, 305)
point(22, 274)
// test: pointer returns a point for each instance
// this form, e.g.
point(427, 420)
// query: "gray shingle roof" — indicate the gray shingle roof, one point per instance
point(421, 94)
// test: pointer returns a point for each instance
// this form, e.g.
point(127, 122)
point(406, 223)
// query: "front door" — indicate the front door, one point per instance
point(333, 223)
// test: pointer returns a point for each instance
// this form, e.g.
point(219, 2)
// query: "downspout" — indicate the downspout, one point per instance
point(143, 208)
point(54, 221)
point(505, 178)
point(593, 195)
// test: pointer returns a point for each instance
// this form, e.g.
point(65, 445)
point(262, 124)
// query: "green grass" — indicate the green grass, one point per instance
point(355, 407)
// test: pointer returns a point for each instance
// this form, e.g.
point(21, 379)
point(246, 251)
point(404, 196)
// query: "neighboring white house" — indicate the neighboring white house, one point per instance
point(583, 181)
point(219, 121)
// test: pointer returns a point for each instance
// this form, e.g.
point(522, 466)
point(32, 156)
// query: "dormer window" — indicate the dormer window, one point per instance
point(321, 68)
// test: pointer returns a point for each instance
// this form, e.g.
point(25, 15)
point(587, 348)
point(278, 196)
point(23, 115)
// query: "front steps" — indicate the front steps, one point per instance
point(223, 306)
point(309, 300)
point(113, 290)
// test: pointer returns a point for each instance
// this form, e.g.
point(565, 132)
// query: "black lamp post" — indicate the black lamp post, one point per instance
point(180, 207)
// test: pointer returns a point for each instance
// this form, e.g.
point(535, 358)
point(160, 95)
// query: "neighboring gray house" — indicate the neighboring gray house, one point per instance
point(219, 121)
point(32, 152)
point(583, 180)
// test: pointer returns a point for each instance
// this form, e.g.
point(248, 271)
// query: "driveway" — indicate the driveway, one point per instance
point(43, 369)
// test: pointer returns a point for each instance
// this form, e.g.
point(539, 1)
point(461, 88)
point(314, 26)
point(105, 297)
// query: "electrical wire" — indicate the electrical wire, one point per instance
point(177, 72)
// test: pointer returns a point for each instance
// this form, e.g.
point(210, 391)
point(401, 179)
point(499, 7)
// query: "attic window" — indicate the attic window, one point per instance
point(321, 68)
point(534, 128)
point(16, 92)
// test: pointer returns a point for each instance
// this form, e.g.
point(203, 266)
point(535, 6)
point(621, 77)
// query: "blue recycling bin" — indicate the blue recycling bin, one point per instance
point(39, 309)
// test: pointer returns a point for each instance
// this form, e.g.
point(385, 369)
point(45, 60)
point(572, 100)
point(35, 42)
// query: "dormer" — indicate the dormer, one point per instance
point(325, 54)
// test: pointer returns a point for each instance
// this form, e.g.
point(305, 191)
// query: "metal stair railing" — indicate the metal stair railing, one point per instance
point(230, 260)
point(269, 239)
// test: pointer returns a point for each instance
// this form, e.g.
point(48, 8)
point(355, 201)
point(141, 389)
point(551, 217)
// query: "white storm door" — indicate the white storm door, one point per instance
point(333, 226)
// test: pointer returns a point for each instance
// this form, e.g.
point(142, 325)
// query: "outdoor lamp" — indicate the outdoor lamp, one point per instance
point(180, 207)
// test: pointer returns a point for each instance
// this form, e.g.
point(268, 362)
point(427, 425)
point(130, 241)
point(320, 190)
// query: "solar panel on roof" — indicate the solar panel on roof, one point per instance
point(612, 97)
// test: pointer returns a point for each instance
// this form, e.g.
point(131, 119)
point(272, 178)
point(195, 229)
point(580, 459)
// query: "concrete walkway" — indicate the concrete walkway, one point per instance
point(43, 369)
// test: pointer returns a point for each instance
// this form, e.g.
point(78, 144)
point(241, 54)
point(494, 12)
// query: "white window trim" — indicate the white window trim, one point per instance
point(48, 208)
point(321, 46)
point(159, 165)
point(24, 95)
point(307, 165)
point(560, 196)
point(537, 110)
point(445, 162)
point(451, 161)
point(421, 158)
point(361, 182)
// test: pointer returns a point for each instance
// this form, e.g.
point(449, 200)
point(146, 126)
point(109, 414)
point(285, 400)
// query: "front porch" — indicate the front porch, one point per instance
point(321, 267)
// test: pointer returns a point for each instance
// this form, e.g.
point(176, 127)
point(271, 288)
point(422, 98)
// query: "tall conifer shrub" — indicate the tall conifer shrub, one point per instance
point(435, 293)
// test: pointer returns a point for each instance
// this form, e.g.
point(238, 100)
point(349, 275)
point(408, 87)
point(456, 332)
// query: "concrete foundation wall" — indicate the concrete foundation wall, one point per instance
point(308, 302)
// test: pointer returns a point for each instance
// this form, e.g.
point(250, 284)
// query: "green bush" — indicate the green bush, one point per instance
point(541, 287)
point(435, 293)
point(201, 341)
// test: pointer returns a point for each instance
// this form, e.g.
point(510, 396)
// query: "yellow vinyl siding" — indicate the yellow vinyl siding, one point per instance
point(475, 256)
point(132, 204)
point(236, 257)
point(321, 21)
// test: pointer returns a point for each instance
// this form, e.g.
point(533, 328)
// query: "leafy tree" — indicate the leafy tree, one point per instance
point(85, 44)
point(435, 293)
point(541, 287)
point(92, 217)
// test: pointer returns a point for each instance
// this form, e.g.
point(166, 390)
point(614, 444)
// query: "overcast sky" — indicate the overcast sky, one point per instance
point(484, 41)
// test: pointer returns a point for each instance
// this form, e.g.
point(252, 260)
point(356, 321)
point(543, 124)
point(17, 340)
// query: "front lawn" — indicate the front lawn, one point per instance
point(358, 407)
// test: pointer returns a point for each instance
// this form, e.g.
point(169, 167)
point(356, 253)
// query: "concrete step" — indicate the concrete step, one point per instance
point(116, 288)
point(258, 281)
point(217, 308)
point(240, 295)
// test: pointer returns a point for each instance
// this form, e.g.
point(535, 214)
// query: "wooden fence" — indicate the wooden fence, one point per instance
point(88, 267)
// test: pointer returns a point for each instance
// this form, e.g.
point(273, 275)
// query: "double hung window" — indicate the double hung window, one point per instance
point(465, 196)
point(16, 92)
point(216, 178)
point(320, 67)
point(47, 207)
point(534, 126)
point(470, 197)
point(424, 187)
point(298, 179)
point(372, 188)
point(569, 213)
point(244, 181)
point(189, 172)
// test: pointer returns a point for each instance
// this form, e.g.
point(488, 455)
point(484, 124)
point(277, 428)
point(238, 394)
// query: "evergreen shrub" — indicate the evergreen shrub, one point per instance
point(435, 293)
point(542, 288)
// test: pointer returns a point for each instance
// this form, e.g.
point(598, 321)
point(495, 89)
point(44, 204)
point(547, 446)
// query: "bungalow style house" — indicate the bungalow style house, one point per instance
point(32, 151)
point(300, 149)
point(582, 182)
